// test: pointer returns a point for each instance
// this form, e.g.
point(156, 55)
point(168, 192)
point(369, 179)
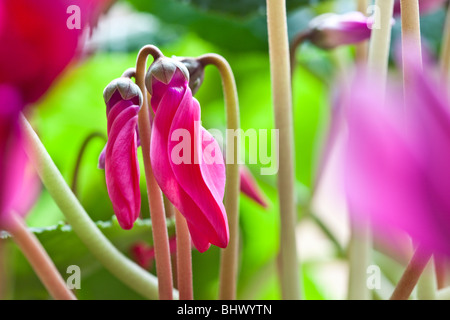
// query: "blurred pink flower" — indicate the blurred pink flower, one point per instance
point(144, 254)
point(396, 156)
point(425, 6)
point(123, 99)
point(193, 177)
point(250, 187)
point(331, 30)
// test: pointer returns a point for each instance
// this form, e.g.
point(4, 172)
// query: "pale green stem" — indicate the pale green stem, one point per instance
point(282, 104)
point(380, 40)
point(427, 285)
point(112, 259)
point(230, 255)
point(359, 256)
point(443, 294)
point(155, 197)
point(362, 47)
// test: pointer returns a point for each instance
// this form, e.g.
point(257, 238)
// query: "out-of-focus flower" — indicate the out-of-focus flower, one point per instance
point(331, 30)
point(144, 255)
point(425, 6)
point(396, 156)
point(250, 187)
point(123, 99)
point(187, 161)
point(12, 154)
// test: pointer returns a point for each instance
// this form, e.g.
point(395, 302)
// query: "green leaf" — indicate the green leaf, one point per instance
point(65, 249)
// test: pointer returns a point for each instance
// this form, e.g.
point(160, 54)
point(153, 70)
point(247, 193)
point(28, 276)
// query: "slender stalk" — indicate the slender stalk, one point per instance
point(155, 198)
point(359, 257)
point(282, 103)
point(411, 275)
point(184, 258)
point(39, 260)
point(410, 35)
point(229, 255)
point(112, 259)
point(380, 40)
point(362, 47)
point(76, 171)
point(445, 54)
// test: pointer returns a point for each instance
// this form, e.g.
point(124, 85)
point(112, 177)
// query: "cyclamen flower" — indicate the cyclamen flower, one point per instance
point(396, 157)
point(425, 6)
point(36, 46)
point(330, 30)
point(191, 176)
point(123, 99)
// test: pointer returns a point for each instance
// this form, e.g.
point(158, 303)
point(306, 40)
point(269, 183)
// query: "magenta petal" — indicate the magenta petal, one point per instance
point(203, 209)
point(122, 167)
point(204, 182)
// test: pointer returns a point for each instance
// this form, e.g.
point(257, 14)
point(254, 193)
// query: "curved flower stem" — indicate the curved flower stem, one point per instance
point(76, 171)
point(445, 54)
point(112, 259)
point(184, 258)
point(155, 198)
point(282, 103)
point(411, 275)
point(39, 260)
point(299, 39)
point(229, 258)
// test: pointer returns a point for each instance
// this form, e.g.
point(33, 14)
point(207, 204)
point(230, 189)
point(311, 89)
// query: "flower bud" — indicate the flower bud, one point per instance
point(163, 70)
point(127, 89)
point(330, 30)
point(196, 73)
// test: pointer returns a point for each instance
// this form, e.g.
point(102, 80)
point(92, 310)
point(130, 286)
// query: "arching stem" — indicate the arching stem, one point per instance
point(155, 198)
point(229, 257)
point(112, 259)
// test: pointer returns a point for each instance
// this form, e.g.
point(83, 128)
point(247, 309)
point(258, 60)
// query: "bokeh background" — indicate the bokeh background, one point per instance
point(74, 109)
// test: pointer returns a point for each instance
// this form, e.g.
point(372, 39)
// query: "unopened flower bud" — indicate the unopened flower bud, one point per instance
point(330, 30)
point(163, 70)
point(127, 89)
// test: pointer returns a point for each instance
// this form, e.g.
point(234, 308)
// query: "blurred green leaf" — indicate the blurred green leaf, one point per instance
point(65, 249)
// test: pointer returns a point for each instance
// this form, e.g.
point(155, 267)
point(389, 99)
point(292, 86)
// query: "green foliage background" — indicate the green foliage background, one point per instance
point(74, 108)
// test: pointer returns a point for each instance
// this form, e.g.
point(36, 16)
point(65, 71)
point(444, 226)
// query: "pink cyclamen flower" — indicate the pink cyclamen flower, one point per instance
point(425, 6)
point(187, 161)
point(396, 157)
point(123, 99)
point(331, 30)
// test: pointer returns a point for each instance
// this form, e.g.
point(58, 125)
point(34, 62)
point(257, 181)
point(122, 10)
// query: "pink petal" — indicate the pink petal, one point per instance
point(122, 167)
point(250, 187)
